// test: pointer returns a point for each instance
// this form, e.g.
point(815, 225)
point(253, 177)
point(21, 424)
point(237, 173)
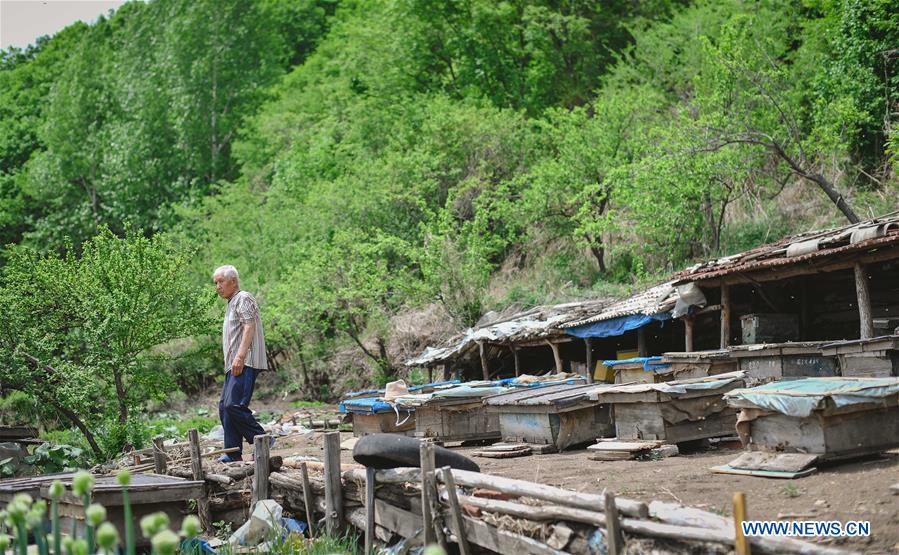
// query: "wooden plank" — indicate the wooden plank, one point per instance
point(307, 499)
point(196, 467)
point(725, 469)
point(261, 468)
point(334, 514)
point(688, 334)
point(556, 356)
point(588, 342)
point(614, 539)
point(455, 510)
point(741, 542)
point(369, 509)
point(863, 293)
point(384, 423)
point(426, 460)
point(517, 360)
point(500, 541)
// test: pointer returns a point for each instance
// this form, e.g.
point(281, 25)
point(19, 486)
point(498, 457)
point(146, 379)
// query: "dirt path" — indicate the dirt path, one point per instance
point(852, 491)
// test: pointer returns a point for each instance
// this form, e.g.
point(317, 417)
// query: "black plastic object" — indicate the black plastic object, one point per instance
point(395, 451)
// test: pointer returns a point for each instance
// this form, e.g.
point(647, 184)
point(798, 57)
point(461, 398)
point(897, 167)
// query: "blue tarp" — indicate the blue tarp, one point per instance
point(372, 392)
point(800, 397)
point(650, 364)
point(365, 405)
point(616, 326)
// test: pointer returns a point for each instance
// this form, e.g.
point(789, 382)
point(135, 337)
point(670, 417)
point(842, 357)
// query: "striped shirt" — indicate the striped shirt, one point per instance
point(242, 309)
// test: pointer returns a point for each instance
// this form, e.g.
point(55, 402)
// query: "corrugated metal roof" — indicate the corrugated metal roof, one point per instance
point(654, 300)
point(800, 248)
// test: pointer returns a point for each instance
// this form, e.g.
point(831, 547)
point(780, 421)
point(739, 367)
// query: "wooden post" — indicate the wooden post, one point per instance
point(196, 467)
point(517, 360)
point(261, 467)
point(741, 543)
point(159, 464)
point(688, 334)
point(430, 374)
point(455, 510)
point(725, 316)
point(588, 341)
point(426, 458)
point(642, 350)
point(556, 356)
point(863, 292)
point(484, 367)
point(369, 509)
point(307, 498)
point(333, 484)
point(615, 540)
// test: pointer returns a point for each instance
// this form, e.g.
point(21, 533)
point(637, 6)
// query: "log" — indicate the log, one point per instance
point(261, 468)
point(334, 517)
point(539, 513)
point(521, 488)
point(688, 334)
point(426, 456)
point(219, 479)
point(556, 356)
point(517, 359)
point(196, 466)
point(390, 476)
point(588, 341)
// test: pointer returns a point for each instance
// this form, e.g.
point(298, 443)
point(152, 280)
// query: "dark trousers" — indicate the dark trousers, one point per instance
point(234, 410)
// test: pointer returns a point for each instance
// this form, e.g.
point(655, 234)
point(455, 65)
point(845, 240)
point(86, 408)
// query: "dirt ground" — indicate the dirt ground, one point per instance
point(858, 490)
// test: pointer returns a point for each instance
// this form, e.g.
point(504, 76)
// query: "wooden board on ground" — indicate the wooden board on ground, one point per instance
point(504, 452)
point(620, 450)
point(727, 469)
point(776, 462)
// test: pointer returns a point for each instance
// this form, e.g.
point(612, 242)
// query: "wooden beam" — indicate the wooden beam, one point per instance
point(159, 464)
point(334, 517)
point(588, 341)
point(484, 368)
point(725, 316)
point(642, 350)
point(261, 468)
point(863, 292)
point(517, 360)
point(426, 461)
point(614, 539)
point(369, 509)
point(556, 356)
point(688, 334)
point(196, 467)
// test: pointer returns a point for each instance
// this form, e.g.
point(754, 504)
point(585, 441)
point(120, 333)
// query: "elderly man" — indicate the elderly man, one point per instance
point(244, 348)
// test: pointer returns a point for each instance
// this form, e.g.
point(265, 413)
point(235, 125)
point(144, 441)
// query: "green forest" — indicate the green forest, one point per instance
point(385, 172)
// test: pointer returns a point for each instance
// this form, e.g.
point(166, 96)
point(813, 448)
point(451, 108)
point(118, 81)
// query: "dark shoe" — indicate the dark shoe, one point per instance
point(227, 458)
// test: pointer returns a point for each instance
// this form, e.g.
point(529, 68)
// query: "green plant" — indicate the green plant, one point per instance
point(223, 529)
point(302, 404)
point(792, 490)
point(7, 468)
point(50, 458)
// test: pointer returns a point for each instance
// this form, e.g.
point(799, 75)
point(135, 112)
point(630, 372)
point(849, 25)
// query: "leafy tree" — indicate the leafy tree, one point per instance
point(79, 331)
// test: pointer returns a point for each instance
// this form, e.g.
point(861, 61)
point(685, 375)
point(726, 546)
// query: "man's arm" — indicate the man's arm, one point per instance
point(249, 330)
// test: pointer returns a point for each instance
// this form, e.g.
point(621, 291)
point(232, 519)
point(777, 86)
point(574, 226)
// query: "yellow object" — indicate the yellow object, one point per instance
point(622, 355)
point(603, 373)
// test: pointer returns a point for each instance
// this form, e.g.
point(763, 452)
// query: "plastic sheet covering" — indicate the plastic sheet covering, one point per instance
point(378, 392)
point(366, 405)
point(650, 364)
point(677, 387)
point(616, 326)
point(688, 294)
point(800, 398)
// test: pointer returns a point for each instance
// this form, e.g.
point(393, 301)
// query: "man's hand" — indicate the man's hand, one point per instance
point(237, 365)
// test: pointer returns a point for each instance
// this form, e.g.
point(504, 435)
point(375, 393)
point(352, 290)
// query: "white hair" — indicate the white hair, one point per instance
point(227, 271)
